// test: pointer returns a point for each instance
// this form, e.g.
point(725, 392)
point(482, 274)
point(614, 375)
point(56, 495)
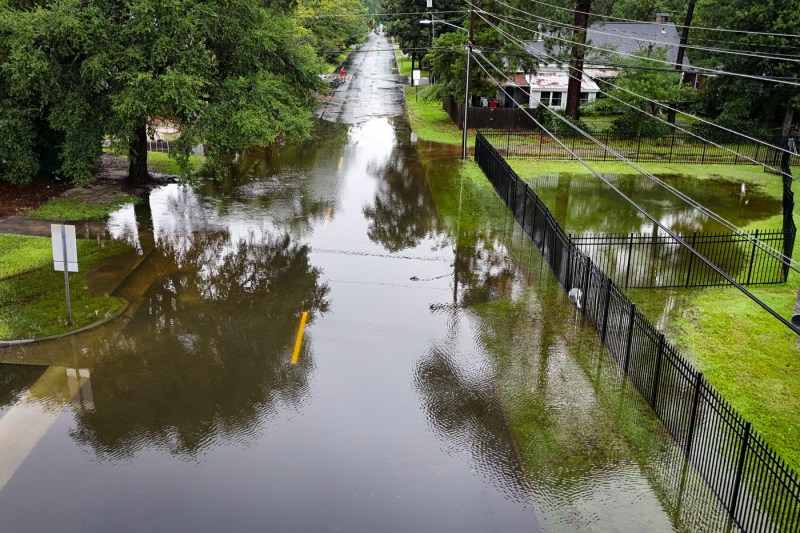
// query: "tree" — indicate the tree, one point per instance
point(744, 103)
point(655, 85)
point(406, 29)
point(334, 24)
point(230, 76)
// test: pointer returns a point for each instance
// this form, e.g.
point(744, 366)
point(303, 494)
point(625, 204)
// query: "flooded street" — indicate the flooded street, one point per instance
point(345, 335)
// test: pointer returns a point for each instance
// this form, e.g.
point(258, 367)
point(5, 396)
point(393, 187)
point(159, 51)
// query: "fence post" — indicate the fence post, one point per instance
point(605, 310)
point(740, 469)
point(508, 144)
point(691, 259)
point(693, 418)
point(755, 157)
point(540, 144)
point(657, 374)
point(672, 146)
point(585, 286)
point(631, 321)
point(639, 146)
point(752, 258)
point(703, 157)
point(736, 159)
point(571, 263)
point(628, 269)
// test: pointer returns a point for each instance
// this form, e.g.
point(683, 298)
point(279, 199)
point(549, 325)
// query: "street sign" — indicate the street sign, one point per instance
point(65, 256)
point(416, 74)
point(64, 244)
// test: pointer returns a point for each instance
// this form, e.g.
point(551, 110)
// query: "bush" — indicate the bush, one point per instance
point(635, 124)
point(717, 135)
point(558, 126)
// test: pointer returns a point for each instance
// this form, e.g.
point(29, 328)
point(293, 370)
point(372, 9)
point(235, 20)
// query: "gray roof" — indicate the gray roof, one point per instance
point(625, 37)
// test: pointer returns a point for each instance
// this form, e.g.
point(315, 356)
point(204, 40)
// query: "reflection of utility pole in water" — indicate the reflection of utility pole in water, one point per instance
point(561, 211)
point(28, 420)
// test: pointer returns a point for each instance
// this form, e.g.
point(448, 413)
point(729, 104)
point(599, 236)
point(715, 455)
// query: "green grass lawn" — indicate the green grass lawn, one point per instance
point(164, 164)
point(404, 64)
point(82, 207)
point(430, 122)
point(32, 302)
point(747, 355)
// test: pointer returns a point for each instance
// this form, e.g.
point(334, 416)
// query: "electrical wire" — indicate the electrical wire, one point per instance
point(626, 35)
point(522, 45)
point(378, 15)
point(669, 232)
point(704, 28)
point(776, 254)
point(655, 60)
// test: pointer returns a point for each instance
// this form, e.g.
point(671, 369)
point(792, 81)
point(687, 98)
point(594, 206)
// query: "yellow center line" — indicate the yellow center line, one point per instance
point(299, 340)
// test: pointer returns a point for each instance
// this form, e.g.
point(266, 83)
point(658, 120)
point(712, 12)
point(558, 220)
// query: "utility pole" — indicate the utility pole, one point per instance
point(679, 59)
point(582, 9)
point(466, 87)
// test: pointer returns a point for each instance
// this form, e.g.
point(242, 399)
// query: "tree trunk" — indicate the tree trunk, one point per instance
point(582, 8)
point(787, 120)
point(679, 59)
point(137, 154)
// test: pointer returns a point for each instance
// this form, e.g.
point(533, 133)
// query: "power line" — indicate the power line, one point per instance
point(637, 206)
point(378, 15)
point(728, 30)
point(652, 59)
point(788, 261)
point(521, 44)
point(626, 35)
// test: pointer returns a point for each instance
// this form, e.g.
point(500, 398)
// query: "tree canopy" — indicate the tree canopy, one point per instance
point(229, 75)
point(334, 24)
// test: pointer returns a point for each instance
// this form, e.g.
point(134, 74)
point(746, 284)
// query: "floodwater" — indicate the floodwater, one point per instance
point(441, 380)
point(584, 204)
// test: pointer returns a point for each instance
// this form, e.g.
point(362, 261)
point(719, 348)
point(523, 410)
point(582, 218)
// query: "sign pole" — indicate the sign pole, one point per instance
point(66, 273)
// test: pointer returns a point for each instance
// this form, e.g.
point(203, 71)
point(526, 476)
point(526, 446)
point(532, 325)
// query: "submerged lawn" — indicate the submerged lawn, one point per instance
point(32, 299)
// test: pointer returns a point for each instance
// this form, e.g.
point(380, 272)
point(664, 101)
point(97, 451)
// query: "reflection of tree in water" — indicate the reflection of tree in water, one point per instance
point(466, 413)
point(207, 355)
point(293, 182)
point(484, 273)
point(594, 207)
point(402, 212)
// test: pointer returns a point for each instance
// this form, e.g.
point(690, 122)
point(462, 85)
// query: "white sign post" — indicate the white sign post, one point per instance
point(65, 256)
point(416, 74)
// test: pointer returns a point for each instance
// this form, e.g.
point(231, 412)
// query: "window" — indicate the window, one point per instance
point(551, 99)
point(584, 97)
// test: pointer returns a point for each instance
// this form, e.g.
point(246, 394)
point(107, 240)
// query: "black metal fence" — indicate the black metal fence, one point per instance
point(676, 147)
point(758, 489)
point(661, 261)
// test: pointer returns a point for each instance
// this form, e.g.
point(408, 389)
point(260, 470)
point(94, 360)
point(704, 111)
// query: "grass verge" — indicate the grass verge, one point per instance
point(32, 294)
point(430, 122)
point(404, 64)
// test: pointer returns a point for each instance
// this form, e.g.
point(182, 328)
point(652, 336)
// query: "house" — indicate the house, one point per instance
point(548, 86)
